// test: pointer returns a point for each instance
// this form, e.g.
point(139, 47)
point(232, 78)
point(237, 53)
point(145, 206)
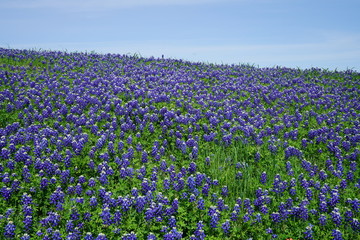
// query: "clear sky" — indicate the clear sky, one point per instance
point(265, 33)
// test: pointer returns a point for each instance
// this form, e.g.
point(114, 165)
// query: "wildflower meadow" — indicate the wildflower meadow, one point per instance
point(109, 146)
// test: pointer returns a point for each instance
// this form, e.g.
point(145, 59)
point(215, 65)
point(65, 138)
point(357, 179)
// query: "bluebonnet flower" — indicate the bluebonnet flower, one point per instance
point(355, 224)
point(151, 236)
point(28, 221)
point(275, 217)
point(166, 184)
point(56, 235)
point(350, 176)
point(247, 203)
point(44, 183)
point(192, 167)
point(334, 198)
point(103, 179)
point(164, 229)
point(192, 198)
point(221, 204)
point(175, 205)
point(172, 222)
point(269, 231)
point(69, 225)
point(101, 236)
point(308, 234)
point(129, 236)
point(227, 139)
point(207, 161)
point(258, 218)
point(9, 230)
point(292, 151)
point(246, 217)
point(173, 235)
point(179, 185)
point(6, 193)
point(120, 146)
point(337, 234)
point(343, 184)
point(348, 215)
point(263, 178)
point(214, 219)
point(27, 210)
point(25, 237)
point(191, 182)
point(53, 219)
point(336, 217)
point(264, 209)
point(74, 214)
point(194, 153)
point(224, 191)
point(87, 216)
point(355, 204)
point(88, 236)
point(323, 206)
point(117, 217)
point(309, 194)
point(205, 190)
point(257, 156)
point(201, 204)
point(26, 199)
point(322, 219)
point(126, 204)
point(226, 227)
point(292, 191)
point(5, 154)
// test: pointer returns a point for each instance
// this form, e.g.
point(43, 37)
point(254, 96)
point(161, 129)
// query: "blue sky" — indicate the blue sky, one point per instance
point(266, 33)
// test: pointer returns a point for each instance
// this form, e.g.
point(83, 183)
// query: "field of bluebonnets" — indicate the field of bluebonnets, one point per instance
point(105, 146)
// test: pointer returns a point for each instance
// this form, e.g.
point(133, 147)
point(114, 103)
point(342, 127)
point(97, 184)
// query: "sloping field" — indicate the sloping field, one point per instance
point(96, 146)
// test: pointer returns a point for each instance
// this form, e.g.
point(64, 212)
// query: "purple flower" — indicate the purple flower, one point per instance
point(191, 183)
point(355, 224)
point(28, 221)
point(258, 218)
point(264, 209)
point(322, 219)
point(151, 236)
point(263, 178)
point(192, 167)
point(309, 194)
point(172, 222)
point(205, 190)
point(275, 217)
point(129, 236)
point(337, 234)
point(239, 175)
point(323, 207)
point(214, 219)
point(9, 230)
point(224, 191)
point(101, 236)
point(336, 217)
point(226, 227)
point(26, 199)
point(292, 151)
point(25, 237)
point(53, 219)
point(308, 234)
point(355, 204)
point(201, 204)
point(173, 235)
point(56, 235)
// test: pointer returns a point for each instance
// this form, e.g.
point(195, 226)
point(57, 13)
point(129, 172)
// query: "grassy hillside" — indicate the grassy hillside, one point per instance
point(105, 146)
